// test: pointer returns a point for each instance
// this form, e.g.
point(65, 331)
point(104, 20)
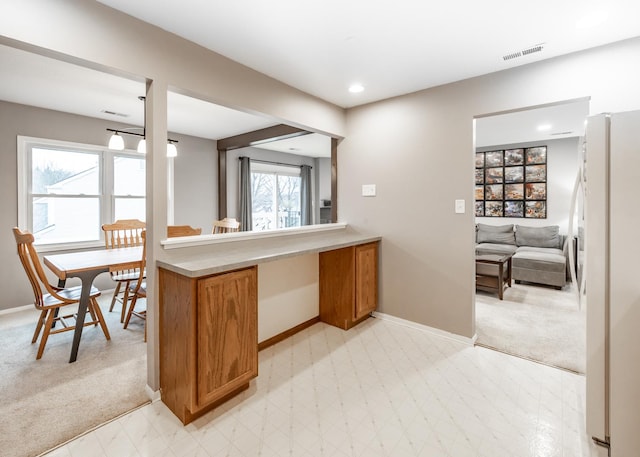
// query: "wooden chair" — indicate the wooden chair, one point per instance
point(50, 299)
point(226, 225)
point(123, 233)
point(182, 230)
point(139, 290)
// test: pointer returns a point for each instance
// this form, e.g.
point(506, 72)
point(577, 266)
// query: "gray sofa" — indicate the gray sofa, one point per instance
point(539, 253)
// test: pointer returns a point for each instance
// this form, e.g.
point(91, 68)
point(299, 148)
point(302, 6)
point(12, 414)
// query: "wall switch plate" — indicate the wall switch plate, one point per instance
point(368, 190)
point(460, 207)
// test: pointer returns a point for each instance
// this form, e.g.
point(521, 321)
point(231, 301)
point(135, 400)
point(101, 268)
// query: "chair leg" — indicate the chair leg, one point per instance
point(45, 333)
point(130, 311)
point(41, 319)
point(125, 299)
point(100, 318)
point(115, 294)
point(91, 310)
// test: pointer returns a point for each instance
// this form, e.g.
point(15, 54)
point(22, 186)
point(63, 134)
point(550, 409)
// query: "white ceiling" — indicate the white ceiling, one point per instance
point(540, 124)
point(34, 80)
point(390, 47)
point(40, 81)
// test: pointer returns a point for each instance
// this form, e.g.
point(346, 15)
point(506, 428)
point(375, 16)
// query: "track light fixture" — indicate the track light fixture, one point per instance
point(116, 142)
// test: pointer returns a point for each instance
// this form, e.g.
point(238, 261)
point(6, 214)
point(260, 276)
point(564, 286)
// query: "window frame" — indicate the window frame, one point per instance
point(106, 196)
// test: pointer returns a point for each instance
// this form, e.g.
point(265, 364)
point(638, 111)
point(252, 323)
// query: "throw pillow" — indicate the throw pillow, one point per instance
point(539, 237)
point(498, 234)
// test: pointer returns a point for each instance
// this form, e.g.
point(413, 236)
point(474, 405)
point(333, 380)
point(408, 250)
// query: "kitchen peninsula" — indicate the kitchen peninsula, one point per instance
point(221, 299)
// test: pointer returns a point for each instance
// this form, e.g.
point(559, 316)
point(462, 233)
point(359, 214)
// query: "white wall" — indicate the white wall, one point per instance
point(288, 294)
point(91, 34)
point(195, 182)
point(94, 34)
point(195, 175)
point(562, 167)
point(323, 188)
point(419, 149)
point(324, 177)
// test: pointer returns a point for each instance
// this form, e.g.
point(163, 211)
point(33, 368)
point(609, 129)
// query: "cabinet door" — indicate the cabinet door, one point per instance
point(366, 279)
point(227, 334)
point(336, 287)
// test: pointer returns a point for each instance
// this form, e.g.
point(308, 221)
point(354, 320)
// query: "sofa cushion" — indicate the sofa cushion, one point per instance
point(540, 260)
point(539, 237)
point(542, 250)
point(492, 248)
point(498, 234)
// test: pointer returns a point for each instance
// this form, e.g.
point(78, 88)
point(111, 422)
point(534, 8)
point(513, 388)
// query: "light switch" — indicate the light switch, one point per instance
point(368, 190)
point(459, 206)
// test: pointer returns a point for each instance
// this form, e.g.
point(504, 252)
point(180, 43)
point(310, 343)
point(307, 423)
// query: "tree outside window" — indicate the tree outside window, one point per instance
point(275, 200)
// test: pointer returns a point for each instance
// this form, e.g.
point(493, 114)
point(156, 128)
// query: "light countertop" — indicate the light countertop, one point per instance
point(204, 260)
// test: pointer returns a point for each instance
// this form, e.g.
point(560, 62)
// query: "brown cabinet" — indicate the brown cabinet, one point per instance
point(348, 284)
point(208, 339)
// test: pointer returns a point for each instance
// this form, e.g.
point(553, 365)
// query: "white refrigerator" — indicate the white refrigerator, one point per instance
point(612, 250)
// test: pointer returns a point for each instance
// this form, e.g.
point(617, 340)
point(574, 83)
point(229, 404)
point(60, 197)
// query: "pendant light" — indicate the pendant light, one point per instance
point(116, 142)
point(172, 151)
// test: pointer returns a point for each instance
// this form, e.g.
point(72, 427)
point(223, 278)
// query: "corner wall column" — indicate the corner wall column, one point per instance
point(222, 183)
point(156, 214)
point(334, 180)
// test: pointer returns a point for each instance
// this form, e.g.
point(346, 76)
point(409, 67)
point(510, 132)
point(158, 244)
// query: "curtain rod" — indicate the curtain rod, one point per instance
point(273, 163)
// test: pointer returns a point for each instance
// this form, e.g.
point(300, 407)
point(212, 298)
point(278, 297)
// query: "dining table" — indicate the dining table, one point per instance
point(86, 265)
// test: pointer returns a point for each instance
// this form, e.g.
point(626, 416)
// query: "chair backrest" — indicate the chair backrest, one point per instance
point(226, 225)
point(32, 266)
point(182, 230)
point(123, 233)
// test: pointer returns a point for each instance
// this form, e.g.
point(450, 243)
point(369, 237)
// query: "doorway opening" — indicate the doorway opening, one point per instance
point(526, 165)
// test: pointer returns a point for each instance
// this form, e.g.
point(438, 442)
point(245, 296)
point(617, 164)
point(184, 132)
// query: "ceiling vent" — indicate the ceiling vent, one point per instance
point(513, 55)
point(523, 52)
point(113, 113)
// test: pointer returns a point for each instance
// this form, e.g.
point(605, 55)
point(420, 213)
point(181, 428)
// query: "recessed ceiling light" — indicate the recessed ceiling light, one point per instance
point(544, 127)
point(592, 19)
point(356, 88)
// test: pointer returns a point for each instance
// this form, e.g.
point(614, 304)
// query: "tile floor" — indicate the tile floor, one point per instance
point(380, 389)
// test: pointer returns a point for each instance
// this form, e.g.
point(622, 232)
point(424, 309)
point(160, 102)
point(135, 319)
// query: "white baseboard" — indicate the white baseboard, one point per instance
point(17, 309)
point(425, 328)
point(154, 395)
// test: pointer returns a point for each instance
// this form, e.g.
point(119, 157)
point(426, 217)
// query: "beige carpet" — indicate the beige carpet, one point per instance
point(49, 401)
point(534, 322)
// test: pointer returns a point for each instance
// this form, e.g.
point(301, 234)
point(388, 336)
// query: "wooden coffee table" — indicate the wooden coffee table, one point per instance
point(493, 273)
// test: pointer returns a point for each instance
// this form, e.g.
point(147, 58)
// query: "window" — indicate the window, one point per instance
point(275, 196)
point(67, 191)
